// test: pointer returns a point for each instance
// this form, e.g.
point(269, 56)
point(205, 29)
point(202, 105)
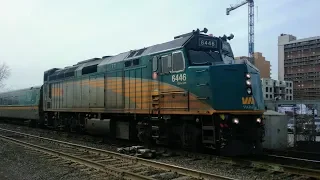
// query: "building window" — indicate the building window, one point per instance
point(270, 96)
point(287, 91)
point(290, 91)
point(266, 82)
point(286, 97)
point(266, 89)
point(266, 95)
point(290, 97)
point(271, 89)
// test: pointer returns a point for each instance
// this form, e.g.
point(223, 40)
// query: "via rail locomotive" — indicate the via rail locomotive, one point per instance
point(188, 92)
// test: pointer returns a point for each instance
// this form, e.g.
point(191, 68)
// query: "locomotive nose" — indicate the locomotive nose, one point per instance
point(235, 87)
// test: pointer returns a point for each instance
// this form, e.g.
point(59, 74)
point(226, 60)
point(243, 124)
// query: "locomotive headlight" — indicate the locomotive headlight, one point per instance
point(248, 82)
point(248, 76)
point(249, 91)
point(258, 120)
point(235, 120)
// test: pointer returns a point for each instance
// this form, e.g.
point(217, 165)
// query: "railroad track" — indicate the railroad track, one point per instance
point(284, 164)
point(111, 163)
point(296, 154)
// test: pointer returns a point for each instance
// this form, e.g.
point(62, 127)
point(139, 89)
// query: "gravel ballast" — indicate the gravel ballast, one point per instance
point(219, 168)
point(20, 163)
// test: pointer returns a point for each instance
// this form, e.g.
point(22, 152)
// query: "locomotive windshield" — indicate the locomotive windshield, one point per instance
point(226, 49)
point(226, 52)
point(209, 51)
point(204, 57)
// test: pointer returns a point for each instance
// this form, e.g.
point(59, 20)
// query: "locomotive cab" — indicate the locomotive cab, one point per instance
point(232, 89)
point(222, 95)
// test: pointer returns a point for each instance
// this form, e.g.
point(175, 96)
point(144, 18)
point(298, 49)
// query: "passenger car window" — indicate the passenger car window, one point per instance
point(9, 100)
point(177, 61)
point(15, 100)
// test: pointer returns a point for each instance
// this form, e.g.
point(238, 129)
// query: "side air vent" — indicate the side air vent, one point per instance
point(131, 54)
point(140, 51)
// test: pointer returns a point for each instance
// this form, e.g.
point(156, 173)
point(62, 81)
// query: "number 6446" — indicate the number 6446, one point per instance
point(179, 77)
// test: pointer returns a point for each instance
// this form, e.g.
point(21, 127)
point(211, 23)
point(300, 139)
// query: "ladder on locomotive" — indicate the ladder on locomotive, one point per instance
point(208, 131)
point(155, 95)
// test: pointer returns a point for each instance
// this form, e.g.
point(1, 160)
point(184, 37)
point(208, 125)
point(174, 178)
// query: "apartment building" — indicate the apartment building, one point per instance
point(261, 63)
point(276, 90)
point(299, 61)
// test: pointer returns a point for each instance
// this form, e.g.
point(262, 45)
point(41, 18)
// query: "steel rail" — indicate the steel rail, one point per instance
point(181, 170)
point(277, 167)
point(264, 165)
point(294, 158)
point(109, 170)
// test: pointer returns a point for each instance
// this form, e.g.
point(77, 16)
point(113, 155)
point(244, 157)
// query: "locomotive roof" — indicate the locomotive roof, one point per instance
point(177, 43)
point(133, 54)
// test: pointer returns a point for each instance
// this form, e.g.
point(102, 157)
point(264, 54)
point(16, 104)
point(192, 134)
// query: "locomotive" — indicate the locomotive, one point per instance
point(188, 92)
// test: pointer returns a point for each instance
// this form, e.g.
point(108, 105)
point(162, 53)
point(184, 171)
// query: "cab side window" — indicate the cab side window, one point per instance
point(155, 63)
point(177, 61)
point(166, 63)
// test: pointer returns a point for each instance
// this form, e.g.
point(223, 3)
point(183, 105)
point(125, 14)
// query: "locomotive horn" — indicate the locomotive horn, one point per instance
point(230, 37)
point(205, 30)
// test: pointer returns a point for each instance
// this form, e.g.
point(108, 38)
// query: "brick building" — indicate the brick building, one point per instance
point(261, 63)
point(299, 61)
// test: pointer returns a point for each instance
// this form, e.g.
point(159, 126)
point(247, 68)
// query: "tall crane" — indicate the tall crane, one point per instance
point(250, 25)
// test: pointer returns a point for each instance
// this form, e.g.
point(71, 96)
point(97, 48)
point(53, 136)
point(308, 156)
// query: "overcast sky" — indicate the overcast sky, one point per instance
point(36, 35)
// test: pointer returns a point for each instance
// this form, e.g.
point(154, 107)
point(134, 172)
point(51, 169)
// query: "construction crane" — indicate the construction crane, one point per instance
point(250, 25)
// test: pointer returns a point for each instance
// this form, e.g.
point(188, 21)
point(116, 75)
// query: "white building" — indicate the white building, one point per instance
point(275, 89)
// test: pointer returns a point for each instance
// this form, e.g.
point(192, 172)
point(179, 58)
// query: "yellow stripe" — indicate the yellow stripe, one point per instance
point(19, 107)
point(241, 111)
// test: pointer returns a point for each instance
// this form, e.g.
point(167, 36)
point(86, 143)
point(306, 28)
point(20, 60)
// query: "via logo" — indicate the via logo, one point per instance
point(247, 100)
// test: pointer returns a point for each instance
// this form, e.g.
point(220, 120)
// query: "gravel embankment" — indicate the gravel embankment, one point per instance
point(223, 169)
point(17, 163)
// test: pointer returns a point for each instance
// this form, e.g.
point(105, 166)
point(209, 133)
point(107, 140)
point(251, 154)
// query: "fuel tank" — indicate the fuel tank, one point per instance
point(98, 126)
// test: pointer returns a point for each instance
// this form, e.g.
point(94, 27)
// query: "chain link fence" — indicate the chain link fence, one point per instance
point(303, 125)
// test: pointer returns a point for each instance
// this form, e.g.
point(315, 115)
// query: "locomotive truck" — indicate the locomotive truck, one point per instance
point(188, 92)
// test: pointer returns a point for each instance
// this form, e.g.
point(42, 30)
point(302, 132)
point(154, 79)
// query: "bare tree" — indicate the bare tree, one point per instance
point(4, 73)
